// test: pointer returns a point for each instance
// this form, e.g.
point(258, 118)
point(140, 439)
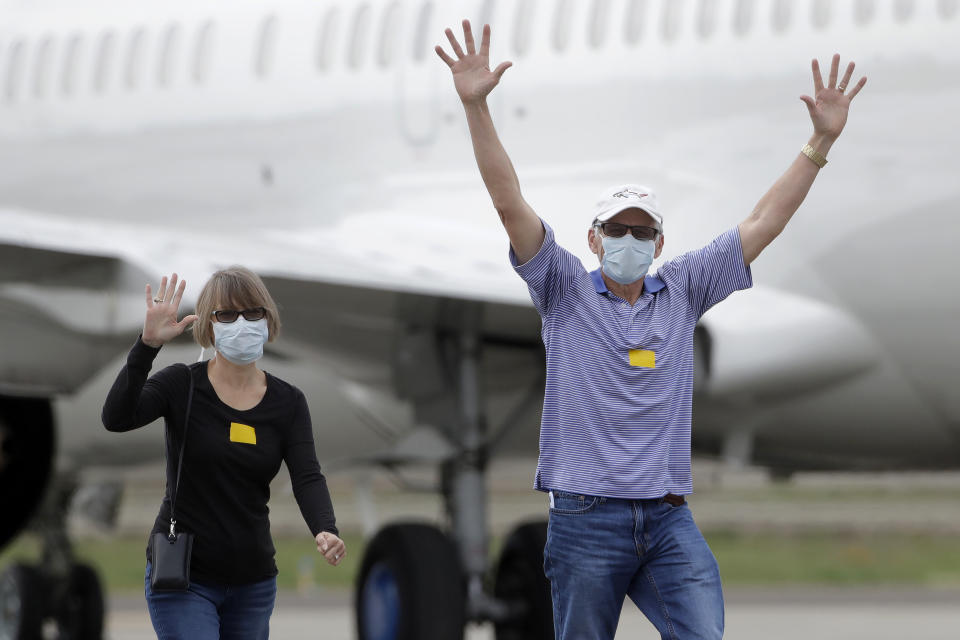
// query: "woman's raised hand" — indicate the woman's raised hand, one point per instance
point(160, 325)
point(471, 70)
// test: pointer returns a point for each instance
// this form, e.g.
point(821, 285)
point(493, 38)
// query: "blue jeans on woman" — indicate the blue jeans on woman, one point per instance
point(212, 611)
point(600, 550)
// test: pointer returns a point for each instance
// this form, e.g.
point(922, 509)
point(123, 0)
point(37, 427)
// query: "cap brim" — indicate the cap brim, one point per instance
point(606, 215)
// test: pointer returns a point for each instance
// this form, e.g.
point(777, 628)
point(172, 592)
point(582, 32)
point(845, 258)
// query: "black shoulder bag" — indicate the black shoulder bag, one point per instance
point(170, 552)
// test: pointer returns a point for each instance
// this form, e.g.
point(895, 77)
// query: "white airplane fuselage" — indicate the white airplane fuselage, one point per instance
point(185, 136)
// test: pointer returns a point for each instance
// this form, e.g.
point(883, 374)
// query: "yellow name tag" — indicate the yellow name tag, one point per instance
point(643, 358)
point(242, 433)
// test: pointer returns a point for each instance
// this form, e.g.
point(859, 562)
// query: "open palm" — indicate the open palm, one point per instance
point(160, 325)
point(830, 104)
point(471, 70)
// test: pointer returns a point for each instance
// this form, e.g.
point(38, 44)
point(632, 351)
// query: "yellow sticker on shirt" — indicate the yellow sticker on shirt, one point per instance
point(643, 358)
point(242, 433)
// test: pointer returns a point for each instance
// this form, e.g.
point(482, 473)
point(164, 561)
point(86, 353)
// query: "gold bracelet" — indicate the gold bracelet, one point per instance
point(818, 158)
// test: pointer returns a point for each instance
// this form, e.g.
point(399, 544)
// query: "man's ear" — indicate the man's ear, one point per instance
point(659, 246)
point(592, 240)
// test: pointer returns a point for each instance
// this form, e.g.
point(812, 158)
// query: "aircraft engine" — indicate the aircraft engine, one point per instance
point(26, 460)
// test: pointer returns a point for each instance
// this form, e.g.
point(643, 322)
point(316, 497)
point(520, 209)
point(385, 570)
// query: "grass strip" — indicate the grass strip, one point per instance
point(745, 559)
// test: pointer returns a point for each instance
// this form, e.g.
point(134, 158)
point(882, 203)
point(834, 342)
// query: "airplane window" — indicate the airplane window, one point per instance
point(672, 19)
point(14, 64)
point(266, 46)
point(423, 39)
point(72, 55)
point(41, 67)
point(358, 36)
point(707, 18)
point(821, 13)
point(326, 42)
point(101, 72)
point(562, 21)
point(781, 15)
point(743, 17)
point(903, 10)
point(169, 52)
point(948, 8)
point(522, 24)
point(636, 17)
point(388, 34)
point(863, 11)
point(202, 50)
point(599, 20)
point(134, 57)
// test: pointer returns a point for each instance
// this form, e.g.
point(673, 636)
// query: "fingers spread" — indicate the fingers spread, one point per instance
point(834, 68)
point(178, 295)
point(485, 41)
point(468, 38)
point(161, 292)
point(845, 81)
point(811, 104)
point(503, 66)
point(149, 297)
point(817, 76)
point(173, 289)
point(453, 43)
point(443, 55)
point(857, 88)
point(187, 321)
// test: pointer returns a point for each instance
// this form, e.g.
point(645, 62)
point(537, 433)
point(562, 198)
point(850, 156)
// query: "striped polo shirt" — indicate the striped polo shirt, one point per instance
point(619, 388)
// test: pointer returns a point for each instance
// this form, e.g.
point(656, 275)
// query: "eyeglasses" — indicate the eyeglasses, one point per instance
point(617, 230)
point(227, 316)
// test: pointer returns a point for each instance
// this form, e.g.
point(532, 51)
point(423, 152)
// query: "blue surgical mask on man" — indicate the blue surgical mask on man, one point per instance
point(627, 259)
point(241, 341)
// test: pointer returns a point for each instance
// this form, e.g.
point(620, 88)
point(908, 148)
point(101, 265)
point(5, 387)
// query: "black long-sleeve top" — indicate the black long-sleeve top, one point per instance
point(228, 462)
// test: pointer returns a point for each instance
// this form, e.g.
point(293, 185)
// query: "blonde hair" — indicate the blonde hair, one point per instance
point(236, 288)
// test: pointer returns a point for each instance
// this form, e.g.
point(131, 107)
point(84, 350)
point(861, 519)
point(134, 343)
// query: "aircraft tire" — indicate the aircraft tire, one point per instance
point(521, 584)
point(26, 458)
point(22, 594)
point(410, 586)
point(80, 616)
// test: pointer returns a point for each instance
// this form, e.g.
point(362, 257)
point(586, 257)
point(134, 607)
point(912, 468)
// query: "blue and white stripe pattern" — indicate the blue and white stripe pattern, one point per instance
point(609, 428)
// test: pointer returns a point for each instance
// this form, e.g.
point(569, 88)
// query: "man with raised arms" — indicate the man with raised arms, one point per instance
point(615, 434)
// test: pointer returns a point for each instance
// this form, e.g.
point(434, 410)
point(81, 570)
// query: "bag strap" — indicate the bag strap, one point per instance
point(186, 424)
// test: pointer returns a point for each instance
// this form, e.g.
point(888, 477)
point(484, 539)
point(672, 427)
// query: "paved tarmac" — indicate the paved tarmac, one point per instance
point(752, 614)
point(736, 500)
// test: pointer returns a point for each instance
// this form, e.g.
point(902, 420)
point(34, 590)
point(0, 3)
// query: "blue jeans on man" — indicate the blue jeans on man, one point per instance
point(601, 550)
point(212, 611)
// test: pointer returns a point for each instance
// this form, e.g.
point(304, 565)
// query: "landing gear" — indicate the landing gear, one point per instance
point(80, 616)
point(417, 583)
point(58, 590)
point(521, 585)
point(28, 597)
point(411, 586)
point(21, 598)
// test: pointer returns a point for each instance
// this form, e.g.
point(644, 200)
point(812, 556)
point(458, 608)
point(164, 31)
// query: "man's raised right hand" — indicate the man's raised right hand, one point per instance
point(471, 70)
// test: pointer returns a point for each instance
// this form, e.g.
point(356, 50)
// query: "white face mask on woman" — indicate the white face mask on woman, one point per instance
point(241, 341)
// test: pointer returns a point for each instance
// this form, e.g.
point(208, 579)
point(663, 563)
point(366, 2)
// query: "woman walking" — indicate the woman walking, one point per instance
point(243, 422)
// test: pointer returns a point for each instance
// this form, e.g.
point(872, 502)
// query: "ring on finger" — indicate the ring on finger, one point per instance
point(158, 299)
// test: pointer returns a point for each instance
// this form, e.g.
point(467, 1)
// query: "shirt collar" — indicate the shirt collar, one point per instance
point(651, 284)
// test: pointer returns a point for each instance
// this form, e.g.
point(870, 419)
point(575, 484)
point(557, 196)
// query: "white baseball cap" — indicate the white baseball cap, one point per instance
point(627, 196)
